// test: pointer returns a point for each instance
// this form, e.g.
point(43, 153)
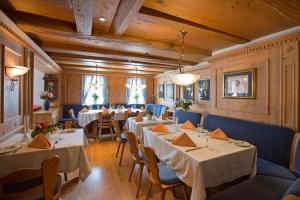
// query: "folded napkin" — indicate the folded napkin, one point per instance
point(105, 111)
point(219, 134)
point(40, 142)
point(129, 110)
point(139, 118)
point(160, 128)
point(188, 125)
point(184, 140)
point(84, 110)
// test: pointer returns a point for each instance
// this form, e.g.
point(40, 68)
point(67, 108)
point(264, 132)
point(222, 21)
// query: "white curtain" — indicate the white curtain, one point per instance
point(134, 94)
point(89, 91)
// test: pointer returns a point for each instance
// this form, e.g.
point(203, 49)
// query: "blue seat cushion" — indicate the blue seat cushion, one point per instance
point(256, 188)
point(273, 143)
point(167, 176)
point(123, 136)
point(183, 116)
point(155, 108)
point(294, 189)
point(297, 159)
point(268, 168)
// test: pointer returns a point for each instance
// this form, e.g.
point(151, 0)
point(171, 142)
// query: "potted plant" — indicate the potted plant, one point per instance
point(47, 96)
point(183, 104)
point(149, 115)
point(95, 97)
point(136, 97)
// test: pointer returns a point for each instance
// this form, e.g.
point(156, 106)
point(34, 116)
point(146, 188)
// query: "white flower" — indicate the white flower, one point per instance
point(50, 95)
point(51, 84)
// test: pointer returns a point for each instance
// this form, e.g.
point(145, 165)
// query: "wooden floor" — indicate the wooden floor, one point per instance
point(108, 181)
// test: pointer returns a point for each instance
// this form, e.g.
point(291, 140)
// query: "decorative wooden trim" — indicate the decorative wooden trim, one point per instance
point(12, 30)
point(2, 68)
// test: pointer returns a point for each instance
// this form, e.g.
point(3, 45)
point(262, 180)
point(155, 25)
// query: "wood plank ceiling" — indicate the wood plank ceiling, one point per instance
point(143, 34)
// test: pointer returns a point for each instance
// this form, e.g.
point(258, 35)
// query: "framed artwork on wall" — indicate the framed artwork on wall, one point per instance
point(188, 92)
point(240, 84)
point(161, 90)
point(170, 86)
point(204, 89)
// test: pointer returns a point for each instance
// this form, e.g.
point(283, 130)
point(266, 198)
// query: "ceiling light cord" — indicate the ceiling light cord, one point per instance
point(182, 35)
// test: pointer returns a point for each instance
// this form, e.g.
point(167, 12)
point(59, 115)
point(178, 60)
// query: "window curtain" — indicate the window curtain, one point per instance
point(88, 91)
point(86, 87)
point(133, 91)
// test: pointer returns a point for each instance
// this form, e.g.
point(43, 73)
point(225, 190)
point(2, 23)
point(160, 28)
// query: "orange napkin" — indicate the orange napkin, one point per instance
point(139, 118)
point(184, 140)
point(160, 128)
point(129, 110)
point(68, 124)
point(219, 134)
point(105, 111)
point(84, 110)
point(188, 125)
point(40, 142)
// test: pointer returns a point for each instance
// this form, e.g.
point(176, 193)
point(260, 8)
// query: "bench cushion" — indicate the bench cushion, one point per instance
point(268, 168)
point(294, 189)
point(258, 188)
point(183, 116)
point(273, 143)
point(155, 108)
point(167, 176)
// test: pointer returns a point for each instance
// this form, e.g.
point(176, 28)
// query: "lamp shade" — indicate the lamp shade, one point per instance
point(184, 79)
point(14, 71)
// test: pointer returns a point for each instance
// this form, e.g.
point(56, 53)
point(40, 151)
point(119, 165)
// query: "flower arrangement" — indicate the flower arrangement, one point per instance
point(95, 96)
point(42, 128)
point(183, 104)
point(46, 95)
point(136, 97)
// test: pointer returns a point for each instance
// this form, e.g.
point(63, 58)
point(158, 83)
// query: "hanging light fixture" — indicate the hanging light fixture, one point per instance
point(135, 84)
point(95, 84)
point(12, 72)
point(182, 78)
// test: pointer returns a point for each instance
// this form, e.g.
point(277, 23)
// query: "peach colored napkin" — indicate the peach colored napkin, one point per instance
point(184, 140)
point(105, 111)
point(188, 125)
point(68, 124)
point(139, 118)
point(219, 134)
point(84, 110)
point(160, 128)
point(40, 142)
point(129, 110)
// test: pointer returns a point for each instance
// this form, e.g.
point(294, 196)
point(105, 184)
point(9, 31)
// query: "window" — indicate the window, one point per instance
point(94, 86)
point(136, 91)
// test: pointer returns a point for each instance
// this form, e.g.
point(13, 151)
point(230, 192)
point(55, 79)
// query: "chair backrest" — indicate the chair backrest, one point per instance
point(28, 182)
point(117, 128)
point(183, 116)
point(105, 117)
point(133, 145)
point(71, 113)
point(134, 114)
point(68, 124)
point(151, 164)
point(126, 115)
point(295, 155)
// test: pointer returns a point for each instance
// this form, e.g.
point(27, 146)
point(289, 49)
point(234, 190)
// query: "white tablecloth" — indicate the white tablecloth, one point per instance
point(70, 150)
point(219, 163)
point(137, 127)
point(84, 118)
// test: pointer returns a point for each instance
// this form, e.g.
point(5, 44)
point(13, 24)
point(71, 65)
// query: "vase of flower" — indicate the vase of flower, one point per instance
point(47, 96)
point(46, 104)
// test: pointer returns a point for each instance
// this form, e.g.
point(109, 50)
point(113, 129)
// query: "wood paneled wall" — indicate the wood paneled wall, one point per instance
point(277, 99)
point(72, 87)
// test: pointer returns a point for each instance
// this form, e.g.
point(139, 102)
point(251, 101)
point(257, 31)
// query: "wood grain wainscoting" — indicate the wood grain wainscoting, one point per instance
point(277, 99)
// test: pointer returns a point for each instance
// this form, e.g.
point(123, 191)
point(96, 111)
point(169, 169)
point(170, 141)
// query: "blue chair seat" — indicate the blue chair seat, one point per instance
point(258, 188)
point(268, 168)
point(123, 136)
point(294, 189)
point(167, 176)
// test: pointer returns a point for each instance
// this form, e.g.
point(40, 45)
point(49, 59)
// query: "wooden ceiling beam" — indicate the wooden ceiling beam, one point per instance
point(83, 12)
point(288, 9)
point(148, 14)
point(125, 14)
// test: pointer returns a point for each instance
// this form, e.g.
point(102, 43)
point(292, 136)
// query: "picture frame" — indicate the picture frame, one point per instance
point(170, 87)
point(188, 92)
point(204, 89)
point(161, 90)
point(240, 84)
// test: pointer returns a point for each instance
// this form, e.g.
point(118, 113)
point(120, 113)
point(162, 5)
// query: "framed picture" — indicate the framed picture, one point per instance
point(204, 89)
point(170, 91)
point(240, 84)
point(161, 90)
point(188, 92)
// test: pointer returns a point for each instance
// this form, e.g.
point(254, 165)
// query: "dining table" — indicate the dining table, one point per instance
point(69, 146)
point(211, 163)
point(137, 127)
point(85, 118)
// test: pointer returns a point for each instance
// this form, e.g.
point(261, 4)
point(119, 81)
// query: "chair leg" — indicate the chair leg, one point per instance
point(149, 191)
point(112, 133)
point(120, 163)
point(66, 177)
point(141, 167)
point(185, 192)
point(163, 194)
point(118, 149)
point(174, 192)
point(99, 134)
point(131, 172)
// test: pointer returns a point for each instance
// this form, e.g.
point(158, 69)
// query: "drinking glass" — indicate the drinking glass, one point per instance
point(60, 128)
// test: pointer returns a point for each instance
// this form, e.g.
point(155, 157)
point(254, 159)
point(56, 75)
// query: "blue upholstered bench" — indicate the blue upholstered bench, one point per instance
point(273, 143)
point(183, 116)
point(157, 109)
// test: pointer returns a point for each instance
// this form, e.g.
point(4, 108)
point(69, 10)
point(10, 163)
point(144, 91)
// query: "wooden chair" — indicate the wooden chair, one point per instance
point(136, 159)
point(160, 175)
point(43, 183)
point(105, 122)
point(121, 138)
point(73, 118)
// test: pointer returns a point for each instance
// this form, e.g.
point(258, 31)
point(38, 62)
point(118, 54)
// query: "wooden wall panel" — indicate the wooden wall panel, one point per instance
point(116, 90)
point(74, 86)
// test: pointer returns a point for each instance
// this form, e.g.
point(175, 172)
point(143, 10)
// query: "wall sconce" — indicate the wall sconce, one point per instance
point(12, 72)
